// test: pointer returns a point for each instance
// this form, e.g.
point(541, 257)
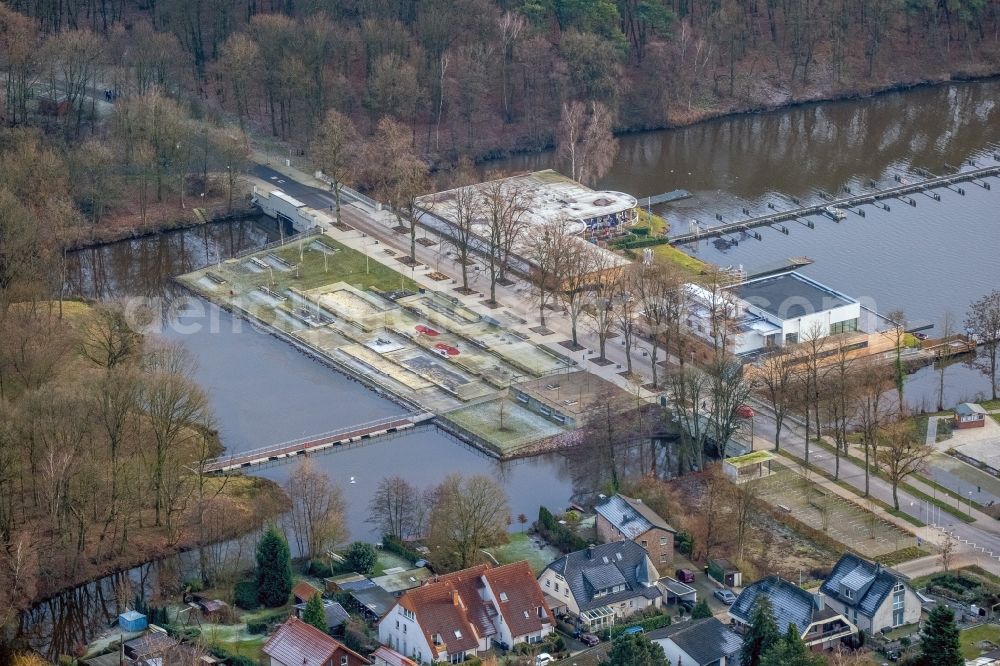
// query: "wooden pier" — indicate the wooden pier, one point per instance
point(364, 432)
point(875, 197)
point(666, 197)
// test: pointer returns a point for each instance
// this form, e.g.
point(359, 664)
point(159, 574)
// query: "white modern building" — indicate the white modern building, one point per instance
point(773, 311)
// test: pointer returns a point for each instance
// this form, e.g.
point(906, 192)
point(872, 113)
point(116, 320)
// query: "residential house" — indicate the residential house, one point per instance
point(970, 415)
point(297, 643)
point(385, 656)
point(820, 625)
point(455, 616)
point(603, 584)
point(871, 596)
point(704, 642)
point(621, 517)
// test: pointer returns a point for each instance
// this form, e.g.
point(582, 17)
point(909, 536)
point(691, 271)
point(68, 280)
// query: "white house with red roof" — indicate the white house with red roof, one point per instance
point(297, 643)
point(458, 615)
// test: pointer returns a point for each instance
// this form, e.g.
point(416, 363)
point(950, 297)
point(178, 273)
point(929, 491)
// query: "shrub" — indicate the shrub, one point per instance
point(362, 557)
point(684, 543)
point(274, 569)
point(559, 535)
point(245, 595)
point(394, 545)
point(257, 627)
point(648, 624)
point(319, 569)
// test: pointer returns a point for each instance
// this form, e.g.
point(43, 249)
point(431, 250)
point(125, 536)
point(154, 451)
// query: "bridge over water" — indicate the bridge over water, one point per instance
point(844, 202)
point(343, 437)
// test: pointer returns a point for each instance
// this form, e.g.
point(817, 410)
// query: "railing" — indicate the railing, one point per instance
point(312, 231)
point(349, 192)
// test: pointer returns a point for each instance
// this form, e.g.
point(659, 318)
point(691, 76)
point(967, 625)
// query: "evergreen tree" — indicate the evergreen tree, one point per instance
point(274, 568)
point(701, 610)
point(762, 634)
point(635, 650)
point(790, 650)
point(314, 613)
point(939, 643)
point(362, 558)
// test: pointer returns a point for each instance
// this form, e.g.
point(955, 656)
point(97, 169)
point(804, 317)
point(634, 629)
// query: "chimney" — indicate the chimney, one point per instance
point(819, 600)
point(590, 552)
point(455, 600)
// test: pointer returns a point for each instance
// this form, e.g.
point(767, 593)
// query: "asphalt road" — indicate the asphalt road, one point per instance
point(310, 196)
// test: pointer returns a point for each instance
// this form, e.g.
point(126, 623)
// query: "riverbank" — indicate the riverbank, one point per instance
point(678, 117)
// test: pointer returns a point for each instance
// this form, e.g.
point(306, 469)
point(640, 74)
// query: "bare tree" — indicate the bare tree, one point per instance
point(664, 306)
point(983, 322)
point(947, 554)
point(730, 388)
point(944, 355)
point(504, 204)
point(776, 375)
point(901, 453)
point(627, 307)
point(467, 514)
point(335, 151)
point(318, 509)
point(690, 390)
point(107, 337)
point(602, 301)
point(898, 320)
point(467, 213)
point(550, 250)
point(585, 142)
point(874, 382)
point(840, 393)
point(811, 350)
point(395, 507)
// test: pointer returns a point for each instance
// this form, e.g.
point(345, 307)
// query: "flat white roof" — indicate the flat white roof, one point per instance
point(552, 196)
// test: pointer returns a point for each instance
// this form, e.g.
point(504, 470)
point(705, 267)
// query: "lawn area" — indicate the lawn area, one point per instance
point(520, 426)
point(345, 265)
point(970, 639)
point(522, 547)
point(686, 261)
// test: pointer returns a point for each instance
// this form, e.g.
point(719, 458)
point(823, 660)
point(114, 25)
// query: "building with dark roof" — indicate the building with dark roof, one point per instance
point(870, 595)
point(297, 643)
point(335, 614)
point(704, 642)
point(603, 584)
point(821, 626)
point(458, 615)
point(620, 517)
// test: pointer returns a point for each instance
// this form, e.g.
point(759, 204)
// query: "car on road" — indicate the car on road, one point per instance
point(744, 412)
point(725, 596)
point(590, 640)
point(684, 575)
point(543, 659)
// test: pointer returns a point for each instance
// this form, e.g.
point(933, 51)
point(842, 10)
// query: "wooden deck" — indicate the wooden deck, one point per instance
point(364, 431)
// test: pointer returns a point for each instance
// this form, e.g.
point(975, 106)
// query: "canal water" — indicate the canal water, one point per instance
point(928, 259)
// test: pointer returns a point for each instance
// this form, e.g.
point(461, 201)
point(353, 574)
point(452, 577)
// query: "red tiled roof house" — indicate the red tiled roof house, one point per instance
point(297, 643)
point(458, 615)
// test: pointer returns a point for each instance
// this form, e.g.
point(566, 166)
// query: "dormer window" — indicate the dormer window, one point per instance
point(848, 592)
point(458, 634)
point(437, 639)
point(503, 595)
point(541, 612)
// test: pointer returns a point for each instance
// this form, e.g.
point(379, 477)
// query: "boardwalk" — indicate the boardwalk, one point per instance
point(364, 431)
point(845, 202)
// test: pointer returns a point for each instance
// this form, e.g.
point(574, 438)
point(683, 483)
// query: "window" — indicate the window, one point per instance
point(458, 634)
point(663, 558)
point(898, 604)
point(343, 660)
point(404, 628)
point(408, 614)
point(644, 544)
point(844, 326)
point(503, 595)
point(664, 541)
point(397, 624)
point(548, 583)
point(557, 587)
point(791, 338)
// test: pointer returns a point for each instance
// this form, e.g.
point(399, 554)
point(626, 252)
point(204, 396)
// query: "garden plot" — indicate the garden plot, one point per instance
point(350, 304)
point(325, 338)
point(521, 353)
point(514, 429)
point(842, 520)
point(442, 309)
point(386, 367)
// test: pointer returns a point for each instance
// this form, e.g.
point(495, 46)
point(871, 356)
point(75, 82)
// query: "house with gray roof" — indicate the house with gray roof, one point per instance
point(704, 642)
point(820, 625)
point(873, 597)
point(620, 517)
point(602, 584)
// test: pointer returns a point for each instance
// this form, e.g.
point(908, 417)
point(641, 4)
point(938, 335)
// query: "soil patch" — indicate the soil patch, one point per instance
point(568, 344)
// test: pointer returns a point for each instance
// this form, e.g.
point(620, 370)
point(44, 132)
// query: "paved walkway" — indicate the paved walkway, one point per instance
point(932, 430)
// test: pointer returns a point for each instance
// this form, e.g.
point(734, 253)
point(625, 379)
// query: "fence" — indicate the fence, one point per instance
point(313, 231)
point(349, 192)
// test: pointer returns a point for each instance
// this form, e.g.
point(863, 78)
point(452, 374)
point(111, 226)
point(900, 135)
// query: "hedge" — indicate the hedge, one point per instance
point(560, 536)
point(394, 545)
point(245, 595)
point(650, 623)
point(642, 242)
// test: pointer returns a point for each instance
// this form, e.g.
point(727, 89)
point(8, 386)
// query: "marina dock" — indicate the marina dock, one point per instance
point(845, 203)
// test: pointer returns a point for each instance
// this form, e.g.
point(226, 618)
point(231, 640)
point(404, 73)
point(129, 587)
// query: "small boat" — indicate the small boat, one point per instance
point(834, 213)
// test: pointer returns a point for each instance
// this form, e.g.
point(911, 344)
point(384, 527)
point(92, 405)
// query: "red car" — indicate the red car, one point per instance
point(744, 412)
point(685, 575)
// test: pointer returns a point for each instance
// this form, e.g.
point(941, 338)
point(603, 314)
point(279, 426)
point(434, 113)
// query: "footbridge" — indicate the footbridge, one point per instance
point(344, 437)
point(900, 192)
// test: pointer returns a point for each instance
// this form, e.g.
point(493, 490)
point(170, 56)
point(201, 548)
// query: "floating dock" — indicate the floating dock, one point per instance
point(875, 197)
point(666, 197)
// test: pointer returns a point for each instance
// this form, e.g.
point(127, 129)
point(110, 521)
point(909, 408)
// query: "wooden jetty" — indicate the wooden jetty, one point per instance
point(875, 197)
point(777, 267)
point(948, 347)
point(365, 431)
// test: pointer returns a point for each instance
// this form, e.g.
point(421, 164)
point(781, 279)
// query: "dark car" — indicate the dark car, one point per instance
point(685, 575)
point(590, 640)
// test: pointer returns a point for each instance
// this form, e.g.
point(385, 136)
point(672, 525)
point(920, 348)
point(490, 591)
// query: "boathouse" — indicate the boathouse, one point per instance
point(969, 415)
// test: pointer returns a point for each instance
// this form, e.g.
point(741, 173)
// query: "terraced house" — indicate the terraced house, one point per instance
point(458, 615)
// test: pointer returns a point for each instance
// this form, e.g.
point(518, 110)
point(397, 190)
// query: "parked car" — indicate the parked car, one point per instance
point(725, 596)
point(590, 640)
point(744, 412)
point(633, 630)
point(684, 575)
point(543, 659)
point(687, 605)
